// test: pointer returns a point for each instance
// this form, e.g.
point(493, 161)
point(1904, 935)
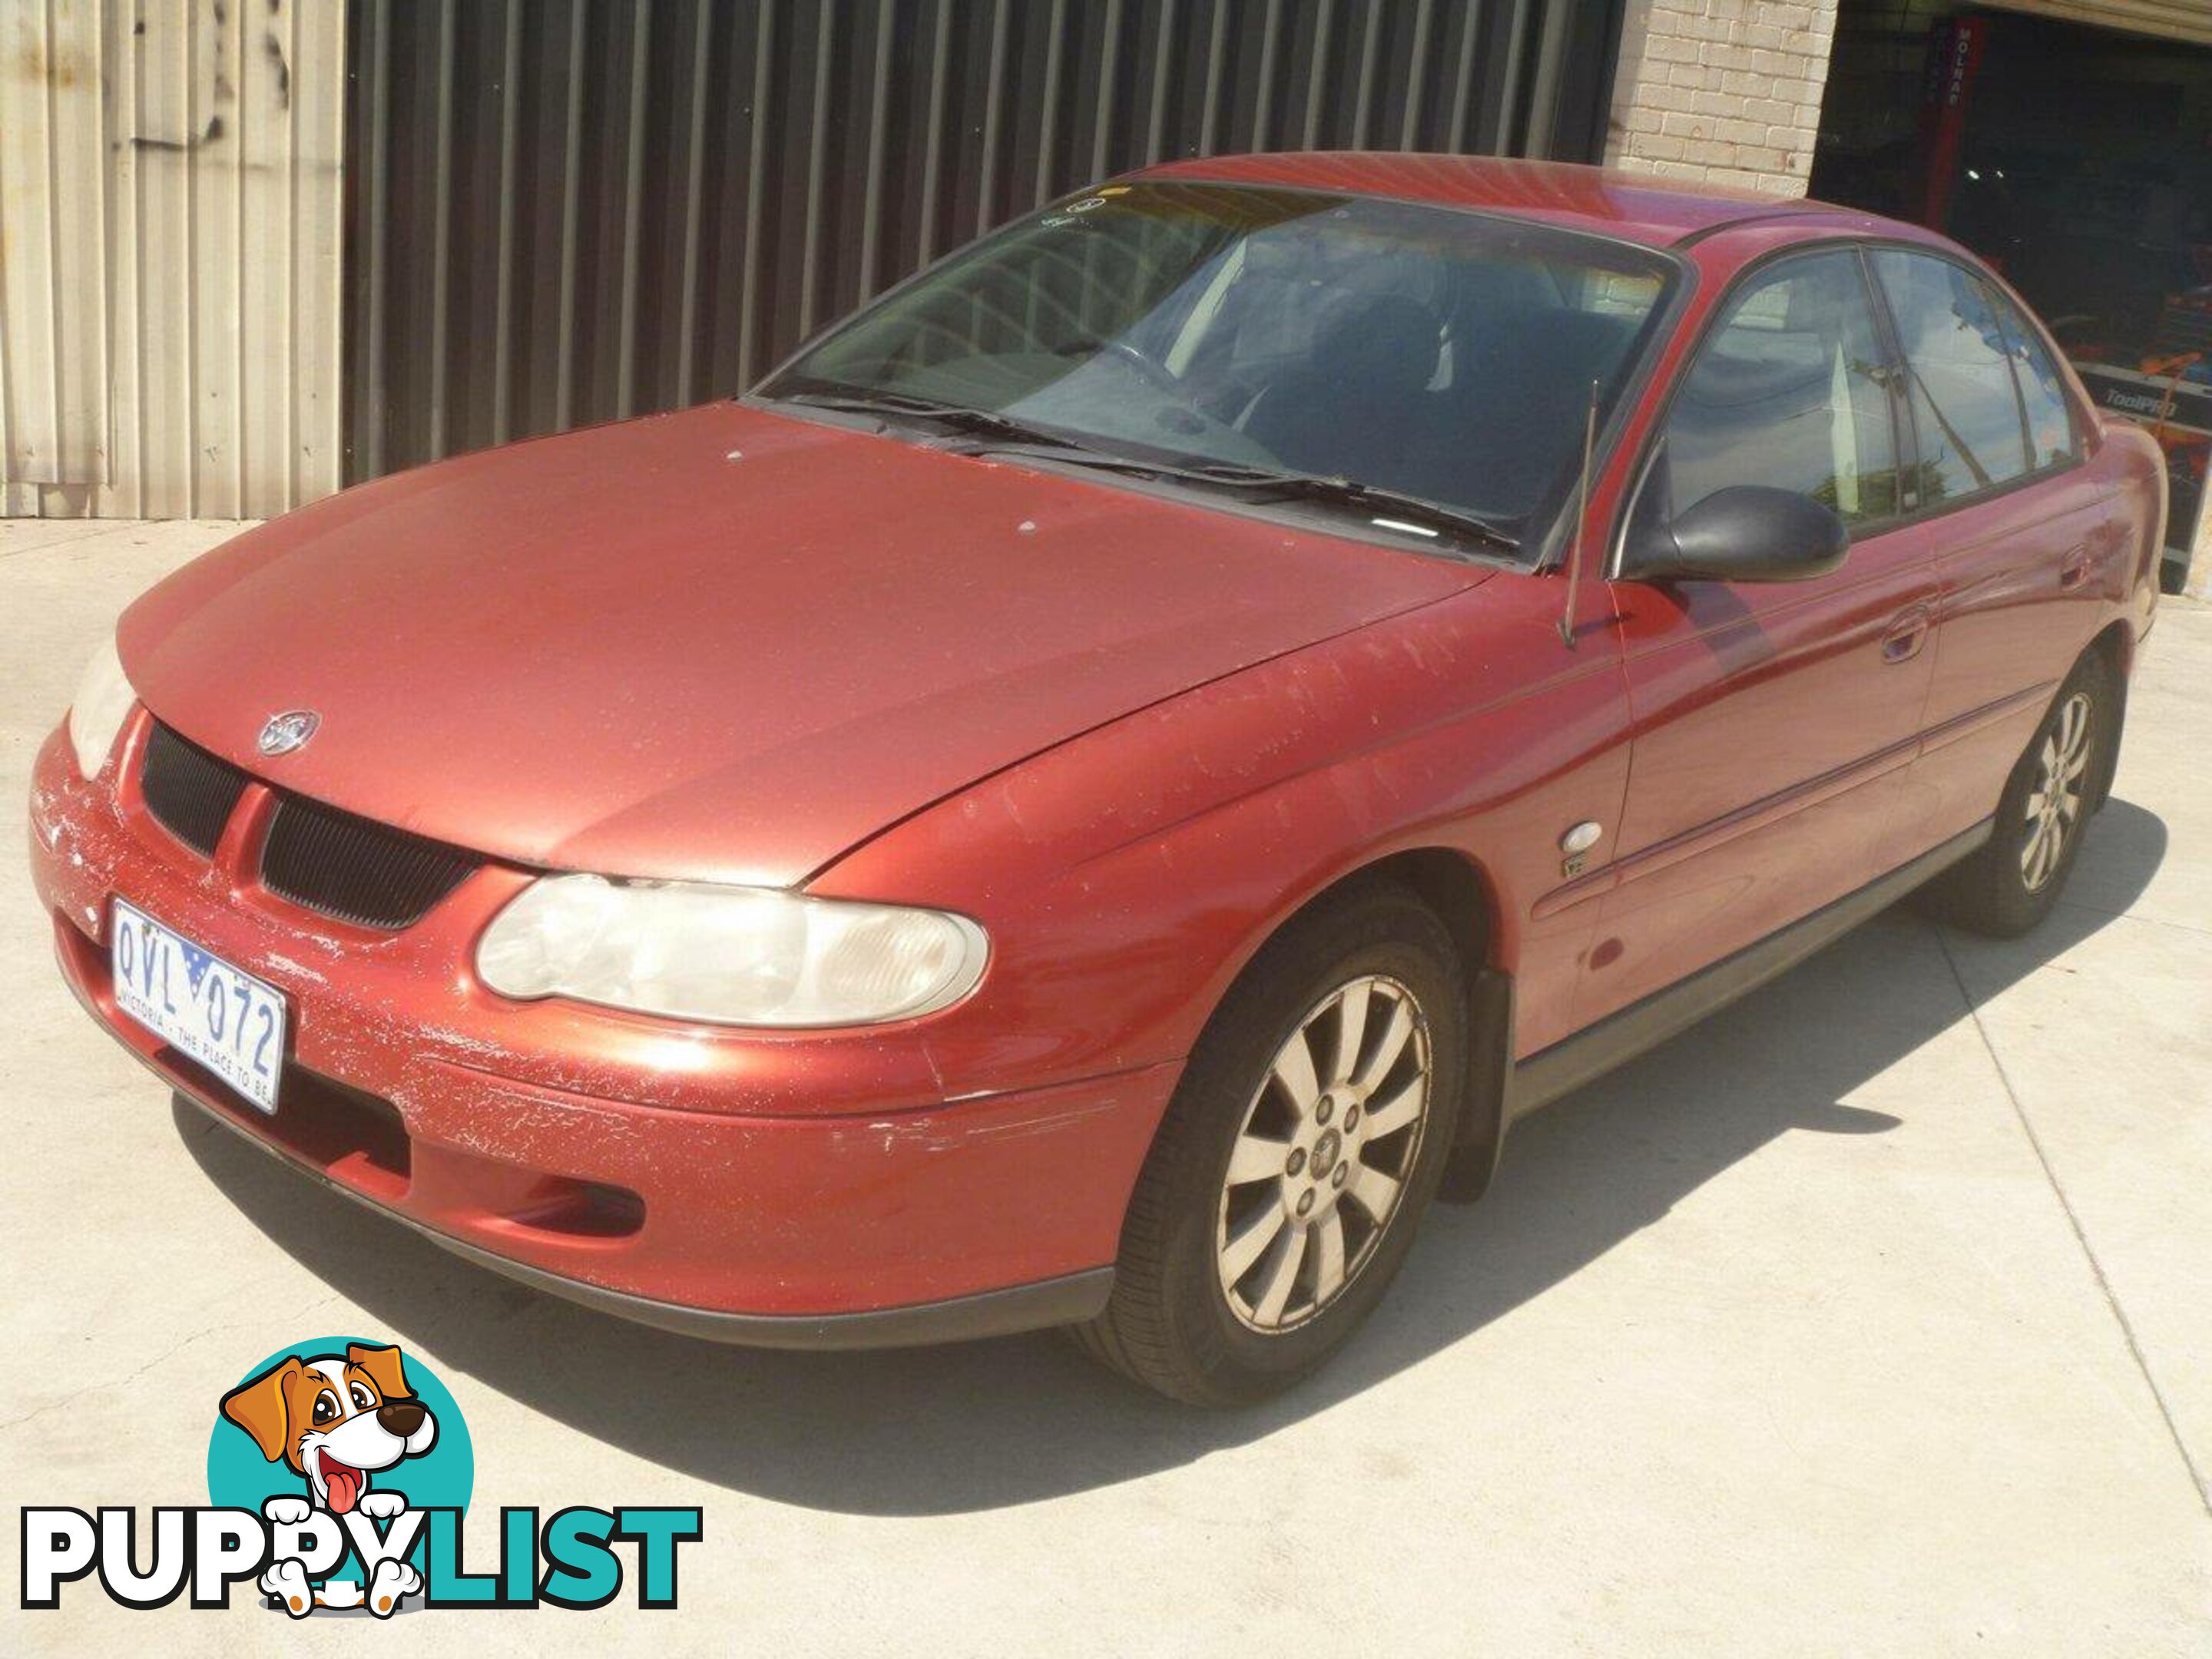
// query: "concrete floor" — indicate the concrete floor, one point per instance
point(1875, 1317)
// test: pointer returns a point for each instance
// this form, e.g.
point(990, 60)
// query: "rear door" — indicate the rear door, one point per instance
point(2023, 534)
point(1773, 720)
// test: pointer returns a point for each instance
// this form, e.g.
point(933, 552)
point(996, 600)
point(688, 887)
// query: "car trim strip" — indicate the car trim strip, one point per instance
point(1718, 832)
point(1989, 714)
point(1568, 1064)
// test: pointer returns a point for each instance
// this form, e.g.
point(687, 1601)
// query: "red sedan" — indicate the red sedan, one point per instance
point(1109, 779)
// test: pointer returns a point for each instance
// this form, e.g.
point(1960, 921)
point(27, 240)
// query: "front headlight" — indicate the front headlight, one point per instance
point(733, 956)
point(103, 703)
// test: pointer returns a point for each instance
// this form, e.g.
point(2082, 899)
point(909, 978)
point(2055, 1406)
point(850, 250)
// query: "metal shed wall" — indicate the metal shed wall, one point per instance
point(170, 193)
point(562, 211)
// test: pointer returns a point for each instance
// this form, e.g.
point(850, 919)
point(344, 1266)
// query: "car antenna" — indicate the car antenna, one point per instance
point(1581, 516)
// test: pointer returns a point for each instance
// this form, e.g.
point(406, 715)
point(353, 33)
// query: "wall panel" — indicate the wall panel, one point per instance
point(573, 211)
point(171, 174)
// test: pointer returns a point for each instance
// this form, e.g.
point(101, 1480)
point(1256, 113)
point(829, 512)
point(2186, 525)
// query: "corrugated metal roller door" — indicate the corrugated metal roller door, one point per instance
point(169, 243)
point(2170, 19)
point(566, 210)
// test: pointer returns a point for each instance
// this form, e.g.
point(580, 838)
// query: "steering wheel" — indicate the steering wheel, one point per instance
point(1160, 378)
point(1159, 374)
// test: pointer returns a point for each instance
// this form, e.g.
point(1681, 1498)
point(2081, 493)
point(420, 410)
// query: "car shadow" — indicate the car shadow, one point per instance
point(985, 1425)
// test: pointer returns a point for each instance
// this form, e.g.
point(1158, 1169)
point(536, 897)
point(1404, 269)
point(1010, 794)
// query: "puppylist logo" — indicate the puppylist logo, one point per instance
point(338, 1473)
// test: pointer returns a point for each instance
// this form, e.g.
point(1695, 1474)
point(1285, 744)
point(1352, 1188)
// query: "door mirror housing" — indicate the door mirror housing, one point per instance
point(1745, 534)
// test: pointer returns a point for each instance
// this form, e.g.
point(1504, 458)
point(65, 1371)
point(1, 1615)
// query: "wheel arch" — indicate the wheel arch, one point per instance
point(2116, 644)
point(1454, 886)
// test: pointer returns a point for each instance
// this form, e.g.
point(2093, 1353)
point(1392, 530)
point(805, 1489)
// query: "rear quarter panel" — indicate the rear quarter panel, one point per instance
point(2137, 470)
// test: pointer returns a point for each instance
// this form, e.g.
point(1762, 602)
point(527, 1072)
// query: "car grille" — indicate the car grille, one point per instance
point(191, 793)
point(349, 868)
point(356, 869)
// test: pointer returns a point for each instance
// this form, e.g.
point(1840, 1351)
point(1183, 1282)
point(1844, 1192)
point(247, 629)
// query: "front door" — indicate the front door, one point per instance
point(1773, 720)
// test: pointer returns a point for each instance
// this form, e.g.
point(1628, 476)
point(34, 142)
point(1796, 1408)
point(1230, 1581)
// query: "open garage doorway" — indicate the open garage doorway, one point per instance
point(2076, 157)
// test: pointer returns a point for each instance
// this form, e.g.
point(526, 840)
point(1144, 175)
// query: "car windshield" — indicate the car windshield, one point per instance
point(1239, 339)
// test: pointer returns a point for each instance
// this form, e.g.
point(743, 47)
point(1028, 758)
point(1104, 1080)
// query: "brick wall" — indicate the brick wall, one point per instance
point(1726, 91)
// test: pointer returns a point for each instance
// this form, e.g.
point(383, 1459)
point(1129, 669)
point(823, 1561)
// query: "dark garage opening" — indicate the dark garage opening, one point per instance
point(2075, 159)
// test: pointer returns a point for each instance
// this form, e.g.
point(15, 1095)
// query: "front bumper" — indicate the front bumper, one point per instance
point(734, 1185)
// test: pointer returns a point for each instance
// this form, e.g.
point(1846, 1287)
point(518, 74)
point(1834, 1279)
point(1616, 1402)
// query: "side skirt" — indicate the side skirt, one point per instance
point(1568, 1064)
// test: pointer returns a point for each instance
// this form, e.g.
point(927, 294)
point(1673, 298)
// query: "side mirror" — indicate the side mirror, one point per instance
point(1745, 534)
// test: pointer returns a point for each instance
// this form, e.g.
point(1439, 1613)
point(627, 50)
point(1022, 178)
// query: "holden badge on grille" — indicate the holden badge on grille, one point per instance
point(289, 731)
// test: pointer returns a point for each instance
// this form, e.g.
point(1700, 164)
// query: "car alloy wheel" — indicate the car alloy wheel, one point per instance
point(2054, 802)
point(2041, 820)
point(1307, 1134)
point(1321, 1162)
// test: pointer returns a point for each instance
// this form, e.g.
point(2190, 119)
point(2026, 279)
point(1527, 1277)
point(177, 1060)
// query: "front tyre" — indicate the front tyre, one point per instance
point(2014, 880)
point(1308, 1133)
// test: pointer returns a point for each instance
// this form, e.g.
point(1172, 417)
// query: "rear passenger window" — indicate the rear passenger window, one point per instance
point(1966, 407)
point(1788, 391)
point(2050, 418)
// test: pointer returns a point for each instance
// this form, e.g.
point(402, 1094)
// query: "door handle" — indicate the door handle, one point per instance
point(1905, 637)
point(2074, 569)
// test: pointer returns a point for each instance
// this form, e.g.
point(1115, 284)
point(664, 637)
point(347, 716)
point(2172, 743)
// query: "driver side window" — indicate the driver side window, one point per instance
point(1789, 391)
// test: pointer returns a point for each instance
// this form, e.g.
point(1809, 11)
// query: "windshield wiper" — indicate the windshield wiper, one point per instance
point(955, 416)
point(1392, 509)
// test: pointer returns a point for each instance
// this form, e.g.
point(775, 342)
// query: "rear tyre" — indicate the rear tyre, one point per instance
point(1307, 1134)
point(2013, 881)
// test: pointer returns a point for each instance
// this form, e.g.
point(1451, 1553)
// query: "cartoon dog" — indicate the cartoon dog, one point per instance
point(336, 1420)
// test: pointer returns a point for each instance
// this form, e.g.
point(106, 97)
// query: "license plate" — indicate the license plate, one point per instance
point(229, 1021)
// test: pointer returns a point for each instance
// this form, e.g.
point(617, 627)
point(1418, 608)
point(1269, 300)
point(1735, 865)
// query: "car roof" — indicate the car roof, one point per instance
point(1631, 206)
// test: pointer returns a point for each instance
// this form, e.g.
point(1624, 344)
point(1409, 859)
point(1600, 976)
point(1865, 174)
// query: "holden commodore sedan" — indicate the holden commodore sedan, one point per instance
point(1107, 782)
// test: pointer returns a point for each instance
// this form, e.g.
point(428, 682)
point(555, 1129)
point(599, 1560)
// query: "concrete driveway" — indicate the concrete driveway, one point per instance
point(1874, 1316)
